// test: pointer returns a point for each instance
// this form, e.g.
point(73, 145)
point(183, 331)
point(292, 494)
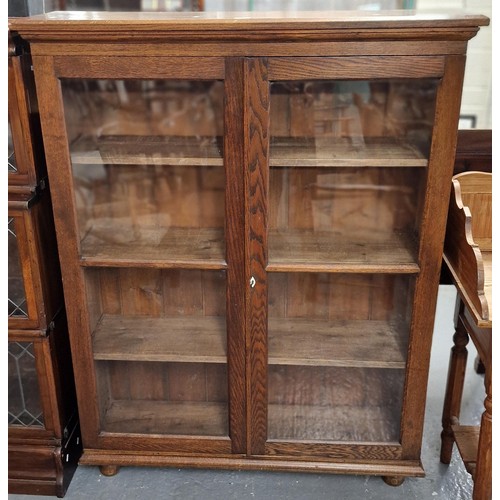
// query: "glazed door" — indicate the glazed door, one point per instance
point(21, 160)
point(22, 307)
point(344, 283)
point(136, 157)
point(24, 407)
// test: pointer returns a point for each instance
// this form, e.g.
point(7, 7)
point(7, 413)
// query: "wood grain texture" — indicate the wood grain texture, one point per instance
point(335, 451)
point(190, 68)
point(454, 384)
point(29, 164)
point(316, 48)
point(247, 222)
point(358, 67)
point(336, 423)
point(187, 339)
point(467, 439)
point(162, 444)
point(474, 442)
point(236, 253)
point(296, 341)
point(33, 469)
point(483, 475)
point(315, 394)
point(283, 463)
point(307, 342)
point(363, 251)
point(468, 242)
point(36, 464)
point(280, 26)
point(49, 394)
point(432, 232)
point(256, 121)
point(17, 125)
point(23, 275)
point(159, 417)
point(108, 243)
point(58, 164)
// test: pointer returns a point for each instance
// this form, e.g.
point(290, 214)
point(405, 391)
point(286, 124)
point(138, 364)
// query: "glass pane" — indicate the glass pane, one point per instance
point(17, 295)
point(24, 393)
point(148, 170)
point(348, 168)
point(337, 355)
point(159, 342)
point(344, 217)
point(11, 158)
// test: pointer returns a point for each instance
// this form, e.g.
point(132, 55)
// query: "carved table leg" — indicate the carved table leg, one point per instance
point(393, 480)
point(109, 470)
point(482, 476)
point(454, 388)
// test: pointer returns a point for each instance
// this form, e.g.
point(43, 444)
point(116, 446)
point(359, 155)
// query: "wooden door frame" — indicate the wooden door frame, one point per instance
point(449, 69)
point(48, 72)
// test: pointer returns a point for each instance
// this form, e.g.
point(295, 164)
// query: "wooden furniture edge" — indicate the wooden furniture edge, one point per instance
point(461, 252)
point(412, 468)
point(259, 26)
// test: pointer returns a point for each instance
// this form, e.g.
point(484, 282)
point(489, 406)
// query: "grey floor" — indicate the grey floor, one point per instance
point(441, 482)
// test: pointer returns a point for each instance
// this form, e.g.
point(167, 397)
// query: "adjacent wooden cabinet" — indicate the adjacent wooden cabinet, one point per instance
point(250, 211)
point(43, 434)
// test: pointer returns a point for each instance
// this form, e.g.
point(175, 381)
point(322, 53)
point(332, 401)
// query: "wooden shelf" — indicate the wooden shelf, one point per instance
point(333, 423)
point(467, 439)
point(362, 251)
point(165, 417)
point(195, 339)
point(308, 342)
point(202, 339)
point(110, 244)
point(147, 150)
point(344, 152)
point(285, 151)
point(339, 423)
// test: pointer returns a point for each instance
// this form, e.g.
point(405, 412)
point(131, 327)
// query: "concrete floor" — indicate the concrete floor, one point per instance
point(441, 482)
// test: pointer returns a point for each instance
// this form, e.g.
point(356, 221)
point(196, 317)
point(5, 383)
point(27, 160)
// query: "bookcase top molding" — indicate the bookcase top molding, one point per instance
point(255, 26)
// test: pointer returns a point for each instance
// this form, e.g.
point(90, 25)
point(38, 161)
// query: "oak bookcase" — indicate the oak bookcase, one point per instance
point(250, 212)
point(44, 442)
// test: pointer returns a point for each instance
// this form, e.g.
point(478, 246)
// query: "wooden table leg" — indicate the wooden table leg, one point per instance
point(454, 386)
point(482, 476)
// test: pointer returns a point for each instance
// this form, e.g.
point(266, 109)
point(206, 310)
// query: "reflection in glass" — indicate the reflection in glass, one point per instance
point(337, 355)
point(24, 395)
point(348, 169)
point(345, 216)
point(16, 292)
point(359, 114)
point(147, 167)
point(348, 166)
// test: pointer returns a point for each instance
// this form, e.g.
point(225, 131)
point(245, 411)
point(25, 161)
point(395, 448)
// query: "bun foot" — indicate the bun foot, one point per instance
point(109, 470)
point(393, 480)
